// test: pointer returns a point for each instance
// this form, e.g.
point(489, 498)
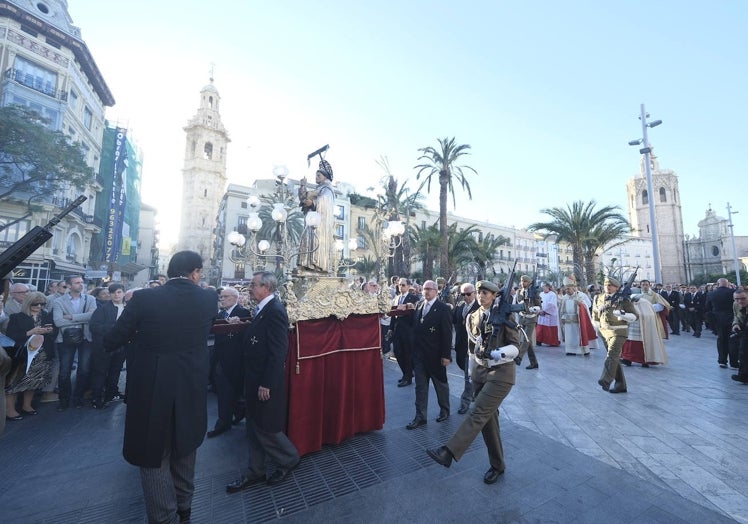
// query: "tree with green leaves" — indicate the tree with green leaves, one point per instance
point(584, 227)
point(36, 162)
point(441, 165)
point(426, 242)
point(486, 252)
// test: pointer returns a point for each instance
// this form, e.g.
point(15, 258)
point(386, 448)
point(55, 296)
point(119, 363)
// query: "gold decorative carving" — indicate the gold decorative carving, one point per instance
point(314, 298)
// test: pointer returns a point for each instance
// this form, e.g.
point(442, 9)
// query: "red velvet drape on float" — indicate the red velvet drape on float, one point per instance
point(335, 381)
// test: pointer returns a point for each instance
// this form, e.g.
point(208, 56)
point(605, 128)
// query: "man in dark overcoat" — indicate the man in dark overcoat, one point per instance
point(167, 375)
point(402, 331)
point(432, 353)
point(265, 351)
point(229, 370)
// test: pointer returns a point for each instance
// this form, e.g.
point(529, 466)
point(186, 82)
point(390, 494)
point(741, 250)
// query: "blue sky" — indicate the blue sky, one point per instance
point(547, 93)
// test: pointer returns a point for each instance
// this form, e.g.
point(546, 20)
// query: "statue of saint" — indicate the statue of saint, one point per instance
point(317, 248)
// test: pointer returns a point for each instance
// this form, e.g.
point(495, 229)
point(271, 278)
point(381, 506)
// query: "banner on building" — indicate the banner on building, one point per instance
point(117, 199)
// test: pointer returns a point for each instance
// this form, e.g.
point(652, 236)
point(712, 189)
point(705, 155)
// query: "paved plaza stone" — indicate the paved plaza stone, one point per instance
point(672, 449)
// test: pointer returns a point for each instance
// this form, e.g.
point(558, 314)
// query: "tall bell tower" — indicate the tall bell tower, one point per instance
point(204, 174)
point(667, 204)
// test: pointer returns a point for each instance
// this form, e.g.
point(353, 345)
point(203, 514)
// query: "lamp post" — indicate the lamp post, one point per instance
point(392, 238)
point(730, 212)
point(646, 150)
point(345, 263)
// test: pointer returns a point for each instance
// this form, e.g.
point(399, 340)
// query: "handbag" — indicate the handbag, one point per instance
point(72, 336)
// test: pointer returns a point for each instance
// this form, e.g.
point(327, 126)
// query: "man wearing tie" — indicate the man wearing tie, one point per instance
point(402, 330)
point(229, 376)
point(265, 349)
point(460, 314)
point(432, 353)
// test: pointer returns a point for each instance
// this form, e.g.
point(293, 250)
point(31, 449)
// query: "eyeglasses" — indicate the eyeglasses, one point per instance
point(20, 292)
point(34, 304)
point(430, 288)
point(402, 285)
point(467, 294)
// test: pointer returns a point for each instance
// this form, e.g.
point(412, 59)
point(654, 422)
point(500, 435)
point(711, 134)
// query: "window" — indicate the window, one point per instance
point(362, 222)
point(14, 231)
point(34, 76)
point(244, 205)
point(361, 242)
point(205, 192)
point(339, 231)
point(339, 212)
point(73, 99)
point(663, 196)
point(241, 225)
point(645, 197)
point(239, 270)
point(208, 151)
point(87, 117)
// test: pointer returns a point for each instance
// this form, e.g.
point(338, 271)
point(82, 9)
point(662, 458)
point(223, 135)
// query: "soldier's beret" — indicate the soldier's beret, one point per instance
point(525, 278)
point(612, 281)
point(488, 285)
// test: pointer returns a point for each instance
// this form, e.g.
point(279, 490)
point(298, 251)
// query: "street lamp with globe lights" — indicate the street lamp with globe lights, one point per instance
point(392, 238)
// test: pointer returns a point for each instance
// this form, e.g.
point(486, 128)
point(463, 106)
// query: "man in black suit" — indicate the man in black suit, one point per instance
point(265, 350)
point(719, 303)
point(402, 330)
point(673, 318)
point(229, 373)
point(432, 353)
point(106, 366)
point(167, 372)
point(693, 299)
point(459, 315)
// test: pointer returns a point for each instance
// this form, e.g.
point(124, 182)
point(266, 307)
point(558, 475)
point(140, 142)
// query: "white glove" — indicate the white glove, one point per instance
point(534, 309)
point(658, 307)
point(505, 354)
point(628, 317)
point(478, 341)
point(682, 306)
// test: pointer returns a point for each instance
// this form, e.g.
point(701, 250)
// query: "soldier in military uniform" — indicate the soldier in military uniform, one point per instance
point(493, 379)
point(528, 319)
point(613, 318)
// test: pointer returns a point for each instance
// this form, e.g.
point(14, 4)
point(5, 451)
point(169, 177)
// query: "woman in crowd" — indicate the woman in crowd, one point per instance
point(34, 333)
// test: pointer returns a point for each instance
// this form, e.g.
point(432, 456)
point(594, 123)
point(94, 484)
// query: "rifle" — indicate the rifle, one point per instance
point(622, 293)
point(33, 240)
point(532, 291)
point(444, 295)
point(500, 315)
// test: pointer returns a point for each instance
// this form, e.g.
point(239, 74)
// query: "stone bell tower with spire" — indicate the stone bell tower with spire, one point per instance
point(667, 205)
point(204, 174)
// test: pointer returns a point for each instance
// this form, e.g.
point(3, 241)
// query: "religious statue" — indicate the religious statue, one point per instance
point(317, 248)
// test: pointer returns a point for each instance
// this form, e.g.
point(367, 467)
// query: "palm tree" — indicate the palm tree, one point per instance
point(426, 245)
point(440, 164)
point(273, 231)
point(578, 224)
point(462, 245)
point(367, 267)
point(604, 235)
point(486, 252)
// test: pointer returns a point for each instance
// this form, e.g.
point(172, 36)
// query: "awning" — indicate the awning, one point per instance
point(131, 268)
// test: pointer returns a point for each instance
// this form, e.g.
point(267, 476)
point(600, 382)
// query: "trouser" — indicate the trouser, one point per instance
point(674, 320)
point(743, 353)
point(266, 448)
point(441, 386)
point(67, 355)
point(725, 350)
point(484, 417)
point(694, 320)
point(612, 369)
point(228, 390)
point(404, 353)
point(467, 394)
point(529, 342)
point(168, 488)
point(105, 370)
point(54, 370)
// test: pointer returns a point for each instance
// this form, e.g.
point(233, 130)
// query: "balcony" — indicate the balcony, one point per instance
point(35, 83)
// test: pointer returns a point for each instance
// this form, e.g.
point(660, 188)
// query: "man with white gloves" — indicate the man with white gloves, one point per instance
point(493, 378)
point(613, 313)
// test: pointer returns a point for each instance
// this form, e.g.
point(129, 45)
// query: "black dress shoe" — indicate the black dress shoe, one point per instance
point(532, 366)
point(405, 382)
point(416, 423)
point(184, 515)
point(463, 410)
point(626, 362)
point(217, 431)
point(738, 378)
point(99, 404)
point(17, 417)
point(604, 385)
point(617, 389)
point(243, 483)
point(441, 455)
point(492, 475)
point(723, 365)
point(280, 474)
point(62, 406)
point(518, 361)
point(442, 417)
point(32, 412)
point(237, 419)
